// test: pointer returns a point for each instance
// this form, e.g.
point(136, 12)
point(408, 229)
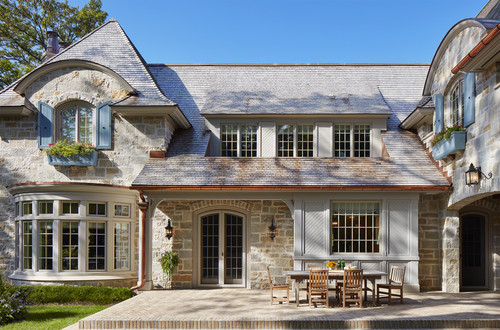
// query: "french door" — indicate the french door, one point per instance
point(473, 253)
point(222, 249)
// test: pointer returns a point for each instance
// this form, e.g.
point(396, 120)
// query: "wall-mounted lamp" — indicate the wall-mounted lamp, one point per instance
point(272, 230)
point(474, 175)
point(169, 230)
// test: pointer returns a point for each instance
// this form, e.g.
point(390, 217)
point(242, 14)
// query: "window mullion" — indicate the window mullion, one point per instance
point(351, 139)
point(238, 140)
point(56, 246)
point(82, 246)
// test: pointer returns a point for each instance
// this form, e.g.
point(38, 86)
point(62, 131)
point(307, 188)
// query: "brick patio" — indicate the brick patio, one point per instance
point(250, 309)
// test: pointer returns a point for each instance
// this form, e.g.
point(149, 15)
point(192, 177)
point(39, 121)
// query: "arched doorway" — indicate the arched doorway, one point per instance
point(222, 252)
point(473, 256)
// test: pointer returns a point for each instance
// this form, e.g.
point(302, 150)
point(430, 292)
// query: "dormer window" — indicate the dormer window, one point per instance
point(352, 141)
point(239, 140)
point(295, 140)
point(77, 120)
point(457, 104)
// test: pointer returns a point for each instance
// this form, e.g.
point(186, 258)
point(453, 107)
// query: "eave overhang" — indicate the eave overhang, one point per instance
point(15, 111)
point(483, 55)
point(44, 69)
point(33, 187)
point(383, 115)
point(416, 117)
point(292, 188)
point(171, 110)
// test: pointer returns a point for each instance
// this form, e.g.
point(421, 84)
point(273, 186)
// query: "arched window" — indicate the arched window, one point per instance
point(77, 120)
point(457, 104)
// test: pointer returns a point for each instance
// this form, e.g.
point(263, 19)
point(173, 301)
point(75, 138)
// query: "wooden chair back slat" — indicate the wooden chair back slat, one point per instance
point(318, 278)
point(353, 278)
point(397, 275)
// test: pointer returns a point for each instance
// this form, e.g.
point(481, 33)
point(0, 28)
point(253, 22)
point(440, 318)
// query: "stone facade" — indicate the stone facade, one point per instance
point(21, 161)
point(277, 253)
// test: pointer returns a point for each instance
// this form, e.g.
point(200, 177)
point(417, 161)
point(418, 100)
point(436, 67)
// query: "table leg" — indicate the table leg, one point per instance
point(296, 285)
point(366, 289)
point(373, 292)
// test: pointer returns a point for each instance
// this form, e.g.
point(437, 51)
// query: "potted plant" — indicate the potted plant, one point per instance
point(169, 262)
point(448, 141)
point(64, 153)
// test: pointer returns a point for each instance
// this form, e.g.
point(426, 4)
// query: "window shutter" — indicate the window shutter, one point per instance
point(469, 98)
point(45, 125)
point(104, 126)
point(439, 113)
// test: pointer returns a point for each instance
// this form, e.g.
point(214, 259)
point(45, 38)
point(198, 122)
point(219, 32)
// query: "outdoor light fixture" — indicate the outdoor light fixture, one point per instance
point(272, 230)
point(169, 230)
point(474, 175)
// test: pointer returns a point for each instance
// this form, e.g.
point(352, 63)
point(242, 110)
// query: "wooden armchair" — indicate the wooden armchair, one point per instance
point(318, 286)
point(352, 287)
point(274, 287)
point(396, 280)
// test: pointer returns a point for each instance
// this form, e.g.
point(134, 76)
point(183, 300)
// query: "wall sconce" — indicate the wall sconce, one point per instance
point(272, 230)
point(474, 175)
point(169, 230)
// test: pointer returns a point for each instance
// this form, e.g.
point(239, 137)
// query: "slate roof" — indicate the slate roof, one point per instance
point(109, 46)
point(303, 89)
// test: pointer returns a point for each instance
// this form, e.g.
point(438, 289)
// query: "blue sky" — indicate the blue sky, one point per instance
point(288, 31)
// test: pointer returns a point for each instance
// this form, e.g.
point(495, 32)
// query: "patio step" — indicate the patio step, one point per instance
point(290, 324)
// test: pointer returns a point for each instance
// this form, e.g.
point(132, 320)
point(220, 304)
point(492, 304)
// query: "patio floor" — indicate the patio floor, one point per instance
point(250, 309)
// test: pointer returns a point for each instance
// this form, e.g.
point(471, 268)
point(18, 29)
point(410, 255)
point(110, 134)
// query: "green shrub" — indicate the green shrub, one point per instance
point(66, 294)
point(69, 149)
point(13, 304)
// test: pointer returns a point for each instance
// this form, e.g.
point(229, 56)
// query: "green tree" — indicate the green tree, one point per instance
point(23, 31)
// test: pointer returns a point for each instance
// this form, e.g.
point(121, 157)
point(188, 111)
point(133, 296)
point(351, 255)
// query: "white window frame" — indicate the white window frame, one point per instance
point(239, 139)
point(67, 106)
point(352, 149)
point(97, 209)
point(295, 150)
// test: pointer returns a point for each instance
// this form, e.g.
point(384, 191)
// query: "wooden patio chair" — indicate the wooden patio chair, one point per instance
point(318, 286)
point(274, 287)
point(305, 287)
point(395, 282)
point(352, 287)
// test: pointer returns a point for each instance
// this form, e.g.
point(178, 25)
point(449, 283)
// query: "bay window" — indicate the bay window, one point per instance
point(62, 238)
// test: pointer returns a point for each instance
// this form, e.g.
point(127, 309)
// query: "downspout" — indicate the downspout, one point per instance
point(143, 206)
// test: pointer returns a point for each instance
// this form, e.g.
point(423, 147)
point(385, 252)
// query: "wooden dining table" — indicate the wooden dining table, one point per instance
point(368, 275)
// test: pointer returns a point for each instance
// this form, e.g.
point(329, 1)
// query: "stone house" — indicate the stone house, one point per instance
point(337, 157)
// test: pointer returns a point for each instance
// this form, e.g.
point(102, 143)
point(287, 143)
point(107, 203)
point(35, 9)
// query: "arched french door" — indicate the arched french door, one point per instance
point(222, 249)
point(473, 256)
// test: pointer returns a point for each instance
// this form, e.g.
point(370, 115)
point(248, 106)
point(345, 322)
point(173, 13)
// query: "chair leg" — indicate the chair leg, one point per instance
point(401, 297)
point(390, 296)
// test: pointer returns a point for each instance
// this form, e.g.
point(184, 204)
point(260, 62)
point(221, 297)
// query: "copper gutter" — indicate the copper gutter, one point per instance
point(486, 40)
point(294, 188)
point(143, 206)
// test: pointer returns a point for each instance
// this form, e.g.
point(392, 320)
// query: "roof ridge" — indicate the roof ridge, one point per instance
point(286, 64)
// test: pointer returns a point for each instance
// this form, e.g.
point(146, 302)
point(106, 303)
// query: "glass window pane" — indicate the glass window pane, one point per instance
point(361, 140)
point(96, 246)
point(27, 248)
point(342, 141)
point(85, 125)
point(68, 124)
point(70, 245)
point(285, 140)
point(229, 140)
point(355, 227)
point(122, 243)
point(305, 140)
point(248, 140)
point(45, 246)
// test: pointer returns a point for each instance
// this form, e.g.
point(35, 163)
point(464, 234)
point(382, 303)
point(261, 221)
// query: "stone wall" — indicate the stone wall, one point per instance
point(429, 241)
point(278, 254)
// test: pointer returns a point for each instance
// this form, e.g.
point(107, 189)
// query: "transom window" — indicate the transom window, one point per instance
point(355, 227)
point(352, 141)
point(238, 140)
point(76, 120)
point(457, 104)
point(97, 209)
point(45, 207)
point(70, 207)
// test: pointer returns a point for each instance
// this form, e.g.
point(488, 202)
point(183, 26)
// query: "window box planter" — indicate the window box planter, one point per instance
point(78, 160)
point(444, 148)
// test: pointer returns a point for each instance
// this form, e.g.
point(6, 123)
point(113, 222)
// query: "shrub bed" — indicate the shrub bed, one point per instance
point(13, 303)
point(66, 294)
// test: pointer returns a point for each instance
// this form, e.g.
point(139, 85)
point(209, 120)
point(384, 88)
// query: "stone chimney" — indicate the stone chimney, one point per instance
point(52, 44)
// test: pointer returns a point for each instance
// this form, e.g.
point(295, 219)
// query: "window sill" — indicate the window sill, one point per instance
point(49, 276)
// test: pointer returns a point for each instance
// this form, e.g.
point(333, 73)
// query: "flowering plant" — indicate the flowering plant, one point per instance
point(446, 133)
point(331, 264)
point(69, 149)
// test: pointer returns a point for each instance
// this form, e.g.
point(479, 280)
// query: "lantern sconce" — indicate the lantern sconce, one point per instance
point(169, 230)
point(474, 175)
point(272, 230)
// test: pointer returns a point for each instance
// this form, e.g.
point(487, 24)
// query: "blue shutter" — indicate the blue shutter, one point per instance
point(45, 125)
point(469, 98)
point(104, 126)
point(439, 113)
